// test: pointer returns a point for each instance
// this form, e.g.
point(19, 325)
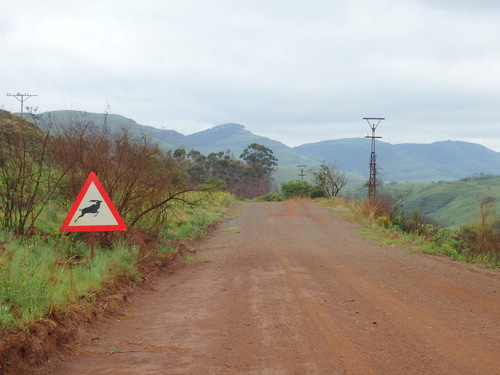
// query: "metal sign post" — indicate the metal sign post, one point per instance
point(92, 245)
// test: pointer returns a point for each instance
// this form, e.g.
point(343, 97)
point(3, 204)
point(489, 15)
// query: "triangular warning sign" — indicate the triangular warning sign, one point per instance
point(93, 210)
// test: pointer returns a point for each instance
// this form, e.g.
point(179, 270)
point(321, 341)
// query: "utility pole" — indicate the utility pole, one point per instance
point(22, 98)
point(372, 181)
point(302, 168)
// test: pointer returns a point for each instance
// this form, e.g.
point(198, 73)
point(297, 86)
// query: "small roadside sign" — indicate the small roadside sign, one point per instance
point(93, 210)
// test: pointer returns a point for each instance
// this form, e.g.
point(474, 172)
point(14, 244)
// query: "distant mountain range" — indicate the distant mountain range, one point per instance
point(409, 162)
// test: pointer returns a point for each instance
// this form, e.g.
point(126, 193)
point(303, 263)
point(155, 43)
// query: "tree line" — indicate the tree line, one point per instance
point(248, 177)
point(49, 166)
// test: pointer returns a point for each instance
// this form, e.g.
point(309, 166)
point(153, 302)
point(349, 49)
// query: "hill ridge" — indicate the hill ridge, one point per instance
point(405, 162)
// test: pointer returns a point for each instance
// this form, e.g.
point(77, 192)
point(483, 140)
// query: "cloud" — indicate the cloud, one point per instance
point(291, 70)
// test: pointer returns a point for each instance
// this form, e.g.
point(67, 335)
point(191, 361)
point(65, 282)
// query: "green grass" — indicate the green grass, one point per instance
point(45, 274)
point(191, 222)
point(188, 257)
point(37, 277)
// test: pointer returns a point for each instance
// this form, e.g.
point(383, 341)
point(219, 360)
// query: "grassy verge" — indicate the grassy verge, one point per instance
point(413, 234)
point(38, 277)
point(194, 222)
point(46, 274)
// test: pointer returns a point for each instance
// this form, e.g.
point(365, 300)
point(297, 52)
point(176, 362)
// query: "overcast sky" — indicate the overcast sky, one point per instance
point(295, 71)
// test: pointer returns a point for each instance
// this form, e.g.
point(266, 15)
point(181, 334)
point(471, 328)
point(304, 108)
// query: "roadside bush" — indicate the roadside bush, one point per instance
point(482, 239)
point(318, 191)
point(417, 224)
point(385, 212)
point(214, 184)
point(375, 207)
point(28, 176)
point(272, 197)
point(296, 188)
point(302, 189)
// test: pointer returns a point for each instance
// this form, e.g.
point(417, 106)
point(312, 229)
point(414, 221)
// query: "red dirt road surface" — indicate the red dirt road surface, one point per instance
point(291, 288)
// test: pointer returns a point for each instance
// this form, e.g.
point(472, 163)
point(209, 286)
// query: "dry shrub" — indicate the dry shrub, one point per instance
point(372, 208)
point(483, 237)
point(140, 178)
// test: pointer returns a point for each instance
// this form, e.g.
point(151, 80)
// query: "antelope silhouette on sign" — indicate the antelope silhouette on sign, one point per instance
point(93, 209)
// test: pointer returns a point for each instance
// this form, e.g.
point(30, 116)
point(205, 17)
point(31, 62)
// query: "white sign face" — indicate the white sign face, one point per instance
point(93, 210)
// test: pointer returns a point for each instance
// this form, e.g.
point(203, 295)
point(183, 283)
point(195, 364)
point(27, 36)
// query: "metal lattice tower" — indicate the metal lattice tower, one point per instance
point(302, 167)
point(372, 181)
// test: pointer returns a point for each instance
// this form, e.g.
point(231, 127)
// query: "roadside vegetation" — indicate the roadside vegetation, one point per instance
point(43, 275)
point(397, 213)
point(451, 204)
point(165, 197)
point(385, 220)
point(327, 182)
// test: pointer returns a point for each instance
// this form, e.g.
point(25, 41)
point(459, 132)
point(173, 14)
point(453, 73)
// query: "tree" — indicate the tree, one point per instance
point(261, 163)
point(330, 178)
point(27, 176)
point(260, 158)
point(179, 153)
point(225, 167)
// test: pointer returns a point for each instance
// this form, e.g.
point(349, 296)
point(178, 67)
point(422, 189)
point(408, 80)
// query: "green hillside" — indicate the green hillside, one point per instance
point(350, 155)
point(224, 137)
point(426, 163)
point(168, 139)
point(236, 138)
point(402, 163)
point(451, 204)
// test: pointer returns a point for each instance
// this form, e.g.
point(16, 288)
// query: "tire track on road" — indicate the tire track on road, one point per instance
point(341, 345)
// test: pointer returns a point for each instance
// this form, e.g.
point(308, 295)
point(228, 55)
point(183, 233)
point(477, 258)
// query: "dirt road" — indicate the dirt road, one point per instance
point(290, 288)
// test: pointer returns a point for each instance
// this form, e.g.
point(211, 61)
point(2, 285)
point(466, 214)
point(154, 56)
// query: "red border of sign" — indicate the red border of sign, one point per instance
point(65, 227)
